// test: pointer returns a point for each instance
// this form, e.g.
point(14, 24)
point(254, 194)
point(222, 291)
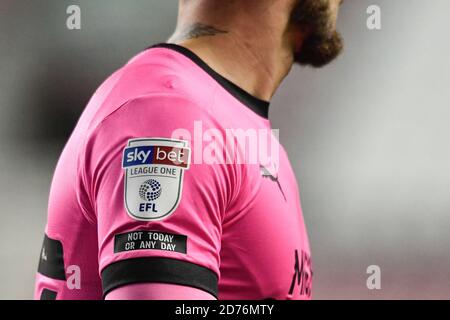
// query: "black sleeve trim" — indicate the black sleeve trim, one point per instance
point(48, 294)
point(163, 270)
point(51, 261)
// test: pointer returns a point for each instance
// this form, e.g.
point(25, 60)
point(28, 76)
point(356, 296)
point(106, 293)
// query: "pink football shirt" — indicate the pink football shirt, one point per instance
point(167, 179)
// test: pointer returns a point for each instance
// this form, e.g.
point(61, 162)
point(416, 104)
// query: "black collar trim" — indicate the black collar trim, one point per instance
point(259, 106)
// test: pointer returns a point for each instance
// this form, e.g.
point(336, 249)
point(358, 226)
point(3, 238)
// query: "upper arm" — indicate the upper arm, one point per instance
point(159, 214)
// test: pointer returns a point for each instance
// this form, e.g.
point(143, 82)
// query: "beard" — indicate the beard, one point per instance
point(323, 43)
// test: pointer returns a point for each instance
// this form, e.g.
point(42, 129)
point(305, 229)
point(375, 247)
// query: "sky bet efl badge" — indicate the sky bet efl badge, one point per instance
point(154, 176)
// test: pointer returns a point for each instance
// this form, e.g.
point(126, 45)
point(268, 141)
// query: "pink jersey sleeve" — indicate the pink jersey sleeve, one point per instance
point(158, 291)
point(159, 214)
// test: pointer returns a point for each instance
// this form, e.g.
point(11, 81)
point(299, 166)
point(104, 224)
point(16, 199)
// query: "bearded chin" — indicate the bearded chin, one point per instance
point(318, 51)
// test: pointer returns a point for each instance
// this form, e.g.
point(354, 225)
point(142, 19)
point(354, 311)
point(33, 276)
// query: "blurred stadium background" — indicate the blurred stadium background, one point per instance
point(368, 136)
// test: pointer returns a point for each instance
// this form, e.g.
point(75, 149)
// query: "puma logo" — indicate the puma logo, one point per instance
point(265, 173)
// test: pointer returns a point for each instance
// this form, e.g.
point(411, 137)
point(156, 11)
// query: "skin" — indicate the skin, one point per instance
point(251, 43)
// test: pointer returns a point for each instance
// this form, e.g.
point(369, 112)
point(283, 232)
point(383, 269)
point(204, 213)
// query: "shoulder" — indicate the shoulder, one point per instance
point(155, 83)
